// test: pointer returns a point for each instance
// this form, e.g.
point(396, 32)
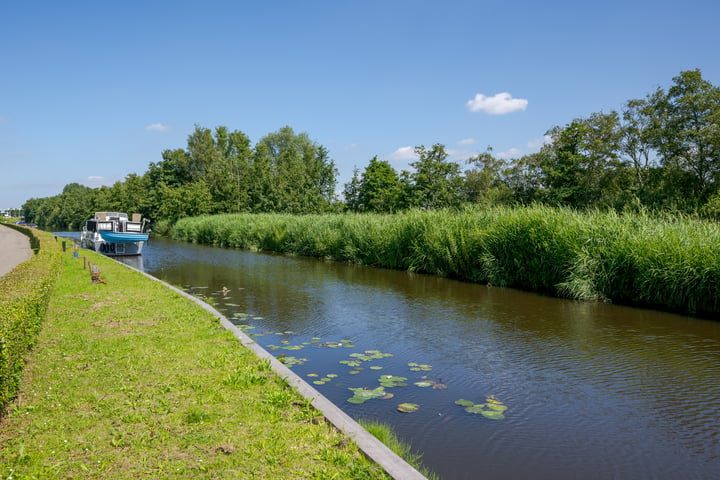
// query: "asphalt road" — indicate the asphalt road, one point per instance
point(14, 249)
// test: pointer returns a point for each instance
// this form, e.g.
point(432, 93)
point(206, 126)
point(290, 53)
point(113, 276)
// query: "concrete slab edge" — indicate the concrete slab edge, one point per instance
point(373, 448)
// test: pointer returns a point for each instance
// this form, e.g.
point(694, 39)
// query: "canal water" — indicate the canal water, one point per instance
point(555, 389)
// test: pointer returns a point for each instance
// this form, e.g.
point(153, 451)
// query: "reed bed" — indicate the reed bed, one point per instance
point(670, 263)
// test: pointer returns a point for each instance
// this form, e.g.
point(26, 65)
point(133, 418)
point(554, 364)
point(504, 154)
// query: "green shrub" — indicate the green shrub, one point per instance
point(24, 295)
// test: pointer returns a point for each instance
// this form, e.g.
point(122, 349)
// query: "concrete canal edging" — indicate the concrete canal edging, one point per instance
point(373, 448)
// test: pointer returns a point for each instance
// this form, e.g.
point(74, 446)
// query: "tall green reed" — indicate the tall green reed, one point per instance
point(672, 262)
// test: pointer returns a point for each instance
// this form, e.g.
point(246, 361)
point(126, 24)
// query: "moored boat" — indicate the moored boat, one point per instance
point(113, 233)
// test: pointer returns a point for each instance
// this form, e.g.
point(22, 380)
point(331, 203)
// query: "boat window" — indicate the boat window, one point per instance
point(133, 227)
point(108, 226)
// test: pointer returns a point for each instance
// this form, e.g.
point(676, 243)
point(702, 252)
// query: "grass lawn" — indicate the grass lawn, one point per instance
point(129, 379)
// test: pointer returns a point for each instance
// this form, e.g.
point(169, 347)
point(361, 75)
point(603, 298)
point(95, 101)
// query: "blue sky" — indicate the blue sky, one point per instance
point(91, 91)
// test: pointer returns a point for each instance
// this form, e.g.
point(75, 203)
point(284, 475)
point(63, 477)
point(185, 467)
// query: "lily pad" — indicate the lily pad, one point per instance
point(389, 381)
point(291, 361)
point(492, 415)
point(417, 367)
point(424, 383)
point(408, 407)
point(376, 367)
point(360, 356)
point(496, 407)
point(476, 408)
point(350, 363)
point(362, 395)
point(493, 408)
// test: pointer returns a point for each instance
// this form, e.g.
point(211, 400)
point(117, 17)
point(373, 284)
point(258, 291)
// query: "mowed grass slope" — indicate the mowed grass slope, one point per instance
point(129, 379)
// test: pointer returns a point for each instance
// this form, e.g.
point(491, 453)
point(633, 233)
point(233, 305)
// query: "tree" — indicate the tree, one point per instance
point(525, 179)
point(636, 144)
point(485, 182)
point(580, 166)
point(351, 192)
point(436, 182)
point(222, 161)
point(299, 173)
point(689, 135)
point(379, 189)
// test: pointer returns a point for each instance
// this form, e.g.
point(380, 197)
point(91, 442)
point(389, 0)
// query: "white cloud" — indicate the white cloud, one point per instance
point(403, 154)
point(157, 127)
point(538, 143)
point(467, 141)
point(95, 178)
point(498, 104)
point(508, 154)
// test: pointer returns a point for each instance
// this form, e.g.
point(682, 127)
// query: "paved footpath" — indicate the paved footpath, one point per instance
point(14, 249)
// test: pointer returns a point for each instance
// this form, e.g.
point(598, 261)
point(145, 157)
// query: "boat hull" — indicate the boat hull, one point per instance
point(95, 241)
point(123, 237)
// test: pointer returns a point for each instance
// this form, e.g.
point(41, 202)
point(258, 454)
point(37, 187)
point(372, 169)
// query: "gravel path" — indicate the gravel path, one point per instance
point(14, 249)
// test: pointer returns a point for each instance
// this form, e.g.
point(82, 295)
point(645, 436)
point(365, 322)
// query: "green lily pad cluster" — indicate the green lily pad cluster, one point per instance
point(272, 348)
point(260, 334)
point(362, 395)
point(356, 360)
point(408, 407)
point(291, 361)
point(417, 367)
point(389, 381)
point(322, 381)
point(492, 408)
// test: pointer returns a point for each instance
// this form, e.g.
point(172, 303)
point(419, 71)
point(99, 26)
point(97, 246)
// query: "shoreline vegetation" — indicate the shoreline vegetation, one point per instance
point(670, 262)
point(129, 379)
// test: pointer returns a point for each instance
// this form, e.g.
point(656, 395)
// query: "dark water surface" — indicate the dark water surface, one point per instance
point(593, 391)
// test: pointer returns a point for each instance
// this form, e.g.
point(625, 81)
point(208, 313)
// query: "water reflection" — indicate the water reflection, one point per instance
point(595, 391)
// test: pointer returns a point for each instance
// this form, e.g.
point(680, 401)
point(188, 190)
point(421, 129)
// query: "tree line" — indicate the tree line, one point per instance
point(660, 153)
point(219, 172)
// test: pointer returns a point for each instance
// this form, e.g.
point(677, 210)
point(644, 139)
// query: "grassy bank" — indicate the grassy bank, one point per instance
point(386, 435)
point(24, 295)
point(131, 380)
point(671, 263)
